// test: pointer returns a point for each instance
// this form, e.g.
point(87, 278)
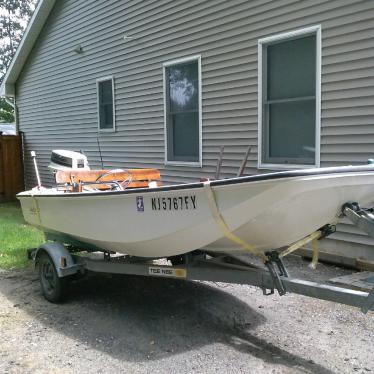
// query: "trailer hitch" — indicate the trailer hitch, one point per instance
point(276, 269)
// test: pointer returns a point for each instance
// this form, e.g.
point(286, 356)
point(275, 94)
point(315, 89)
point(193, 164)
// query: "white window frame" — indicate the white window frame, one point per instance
point(99, 80)
point(165, 65)
point(316, 30)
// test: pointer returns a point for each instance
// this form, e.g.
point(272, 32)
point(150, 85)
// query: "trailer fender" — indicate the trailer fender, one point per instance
point(61, 257)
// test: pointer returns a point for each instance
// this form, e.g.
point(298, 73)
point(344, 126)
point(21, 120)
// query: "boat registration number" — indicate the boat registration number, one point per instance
point(164, 272)
point(174, 203)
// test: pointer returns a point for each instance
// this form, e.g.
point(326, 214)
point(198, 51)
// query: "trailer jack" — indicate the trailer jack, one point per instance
point(276, 270)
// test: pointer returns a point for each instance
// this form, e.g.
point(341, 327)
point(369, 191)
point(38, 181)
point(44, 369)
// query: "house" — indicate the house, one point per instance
point(165, 83)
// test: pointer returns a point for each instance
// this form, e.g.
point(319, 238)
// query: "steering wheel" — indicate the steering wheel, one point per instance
point(121, 185)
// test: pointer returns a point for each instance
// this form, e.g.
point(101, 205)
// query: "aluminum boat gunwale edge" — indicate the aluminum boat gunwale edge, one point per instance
point(219, 182)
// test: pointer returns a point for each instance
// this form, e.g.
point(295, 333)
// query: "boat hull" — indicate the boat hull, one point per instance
point(268, 213)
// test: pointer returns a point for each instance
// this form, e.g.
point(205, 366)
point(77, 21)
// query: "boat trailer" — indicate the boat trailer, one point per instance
point(58, 263)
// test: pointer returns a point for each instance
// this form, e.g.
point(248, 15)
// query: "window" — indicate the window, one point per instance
point(182, 97)
point(105, 100)
point(289, 99)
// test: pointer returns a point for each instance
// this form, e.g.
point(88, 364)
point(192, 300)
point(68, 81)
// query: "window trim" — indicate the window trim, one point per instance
point(312, 30)
point(99, 80)
point(164, 66)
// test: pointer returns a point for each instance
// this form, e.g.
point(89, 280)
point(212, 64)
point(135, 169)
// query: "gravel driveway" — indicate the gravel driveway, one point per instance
point(141, 325)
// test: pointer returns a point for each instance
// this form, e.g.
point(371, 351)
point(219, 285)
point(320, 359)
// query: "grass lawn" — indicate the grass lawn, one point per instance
point(16, 237)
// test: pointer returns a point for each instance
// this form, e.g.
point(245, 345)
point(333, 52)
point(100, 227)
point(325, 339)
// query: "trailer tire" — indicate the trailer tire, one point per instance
point(53, 287)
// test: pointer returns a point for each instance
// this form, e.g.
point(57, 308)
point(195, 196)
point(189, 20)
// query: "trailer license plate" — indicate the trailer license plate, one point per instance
point(164, 272)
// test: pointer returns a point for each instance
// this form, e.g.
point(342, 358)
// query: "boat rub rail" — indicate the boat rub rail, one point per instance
point(223, 182)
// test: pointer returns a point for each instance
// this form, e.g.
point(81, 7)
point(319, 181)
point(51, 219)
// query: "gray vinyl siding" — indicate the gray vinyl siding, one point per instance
point(56, 92)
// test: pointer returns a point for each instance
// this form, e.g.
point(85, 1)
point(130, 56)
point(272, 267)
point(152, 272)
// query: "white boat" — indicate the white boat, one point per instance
point(267, 211)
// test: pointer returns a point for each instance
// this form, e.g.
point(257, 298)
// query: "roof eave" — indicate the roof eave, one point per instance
point(29, 38)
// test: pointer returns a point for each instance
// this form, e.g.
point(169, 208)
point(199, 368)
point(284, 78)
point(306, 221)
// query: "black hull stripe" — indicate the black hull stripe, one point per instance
point(225, 182)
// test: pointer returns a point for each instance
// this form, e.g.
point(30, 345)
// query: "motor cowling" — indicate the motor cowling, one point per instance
point(62, 159)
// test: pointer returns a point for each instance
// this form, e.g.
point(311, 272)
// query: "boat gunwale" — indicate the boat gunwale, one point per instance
point(218, 182)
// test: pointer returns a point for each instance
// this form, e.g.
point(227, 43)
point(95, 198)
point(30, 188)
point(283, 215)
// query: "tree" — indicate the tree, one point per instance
point(6, 112)
point(14, 15)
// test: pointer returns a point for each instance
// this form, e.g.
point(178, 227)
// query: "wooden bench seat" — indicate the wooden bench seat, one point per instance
point(138, 177)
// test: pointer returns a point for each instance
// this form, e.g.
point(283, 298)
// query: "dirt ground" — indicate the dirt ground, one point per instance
point(116, 324)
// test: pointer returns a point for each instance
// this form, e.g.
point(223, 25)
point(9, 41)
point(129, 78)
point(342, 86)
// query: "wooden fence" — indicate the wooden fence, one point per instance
point(11, 166)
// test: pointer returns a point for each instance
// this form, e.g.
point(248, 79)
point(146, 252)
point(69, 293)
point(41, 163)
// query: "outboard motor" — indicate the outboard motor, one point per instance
point(62, 159)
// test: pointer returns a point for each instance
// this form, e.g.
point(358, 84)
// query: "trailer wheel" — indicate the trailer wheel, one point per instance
point(52, 285)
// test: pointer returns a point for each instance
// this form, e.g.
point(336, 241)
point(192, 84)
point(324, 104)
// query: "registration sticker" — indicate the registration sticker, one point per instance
point(140, 203)
point(33, 211)
point(165, 272)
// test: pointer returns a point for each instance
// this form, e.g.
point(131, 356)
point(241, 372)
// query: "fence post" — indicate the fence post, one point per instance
point(11, 166)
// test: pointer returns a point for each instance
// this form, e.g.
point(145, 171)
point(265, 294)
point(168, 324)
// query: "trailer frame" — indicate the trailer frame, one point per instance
point(197, 266)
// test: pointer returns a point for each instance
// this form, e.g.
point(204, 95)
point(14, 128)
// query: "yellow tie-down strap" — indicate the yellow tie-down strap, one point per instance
point(310, 238)
point(223, 226)
point(314, 237)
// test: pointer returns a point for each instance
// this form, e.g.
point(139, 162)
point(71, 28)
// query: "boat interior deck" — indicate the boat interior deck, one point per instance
point(80, 180)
